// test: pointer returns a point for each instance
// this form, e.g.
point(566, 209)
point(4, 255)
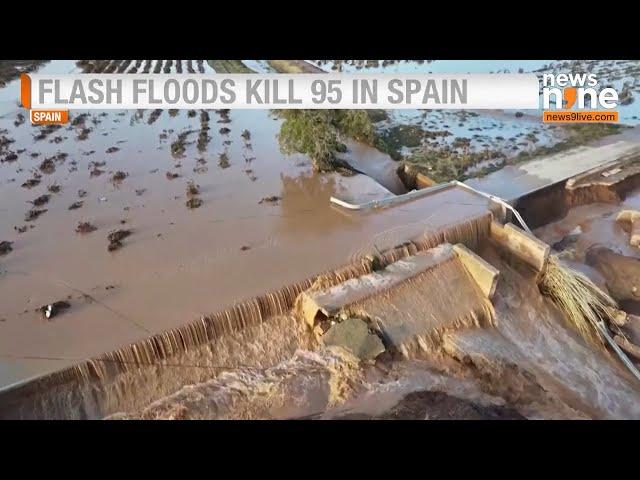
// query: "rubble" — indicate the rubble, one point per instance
point(629, 220)
point(353, 334)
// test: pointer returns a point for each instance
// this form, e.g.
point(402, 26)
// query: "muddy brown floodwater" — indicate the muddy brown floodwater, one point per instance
point(526, 364)
point(177, 263)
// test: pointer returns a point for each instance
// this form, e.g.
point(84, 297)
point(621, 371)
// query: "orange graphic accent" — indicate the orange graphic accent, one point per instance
point(570, 94)
point(25, 90)
point(588, 116)
point(49, 117)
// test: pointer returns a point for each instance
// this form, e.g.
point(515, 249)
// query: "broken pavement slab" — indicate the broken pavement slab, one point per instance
point(329, 302)
point(353, 334)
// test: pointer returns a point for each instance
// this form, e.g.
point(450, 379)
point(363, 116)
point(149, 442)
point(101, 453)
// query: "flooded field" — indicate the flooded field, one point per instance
point(262, 220)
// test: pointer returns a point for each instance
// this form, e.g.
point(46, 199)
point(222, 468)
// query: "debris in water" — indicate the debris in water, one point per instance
point(5, 247)
point(76, 205)
point(33, 214)
point(112, 149)
point(85, 227)
point(179, 146)
point(41, 200)
point(118, 235)
point(51, 310)
point(621, 272)
point(171, 175)
point(82, 193)
point(20, 119)
point(21, 229)
point(84, 134)
point(192, 189)
point(224, 130)
point(9, 157)
point(47, 166)
point(95, 163)
point(353, 334)
point(32, 182)
point(224, 116)
point(619, 317)
point(581, 301)
point(55, 188)
point(119, 176)
point(153, 116)
point(224, 160)
point(194, 202)
point(115, 239)
point(629, 220)
point(96, 172)
point(566, 242)
point(273, 200)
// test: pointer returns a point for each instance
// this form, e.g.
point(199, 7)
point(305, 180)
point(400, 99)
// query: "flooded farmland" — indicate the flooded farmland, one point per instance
point(138, 222)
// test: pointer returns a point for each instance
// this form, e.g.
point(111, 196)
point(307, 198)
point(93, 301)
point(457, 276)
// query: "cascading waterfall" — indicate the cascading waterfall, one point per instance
point(160, 364)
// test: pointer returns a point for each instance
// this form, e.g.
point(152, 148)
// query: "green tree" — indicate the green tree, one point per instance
point(320, 134)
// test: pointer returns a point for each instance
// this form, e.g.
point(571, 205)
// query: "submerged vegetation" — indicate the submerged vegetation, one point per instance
point(448, 164)
point(320, 134)
point(459, 162)
point(578, 134)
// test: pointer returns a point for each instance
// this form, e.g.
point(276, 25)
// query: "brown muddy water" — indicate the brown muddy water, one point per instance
point(526, 364)
point(591, 225)
point(178, 263)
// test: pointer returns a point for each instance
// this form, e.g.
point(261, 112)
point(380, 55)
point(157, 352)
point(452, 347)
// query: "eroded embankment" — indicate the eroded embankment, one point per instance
point(552, 203)
point(133, 376)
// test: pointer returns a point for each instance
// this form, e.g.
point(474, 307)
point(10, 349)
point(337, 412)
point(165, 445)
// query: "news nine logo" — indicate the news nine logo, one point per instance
point(566, 91)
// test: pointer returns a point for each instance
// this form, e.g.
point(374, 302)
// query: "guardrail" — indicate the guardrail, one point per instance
point(397, 199)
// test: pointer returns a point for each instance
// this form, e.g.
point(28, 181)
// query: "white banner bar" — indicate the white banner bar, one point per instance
point(280, 91)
